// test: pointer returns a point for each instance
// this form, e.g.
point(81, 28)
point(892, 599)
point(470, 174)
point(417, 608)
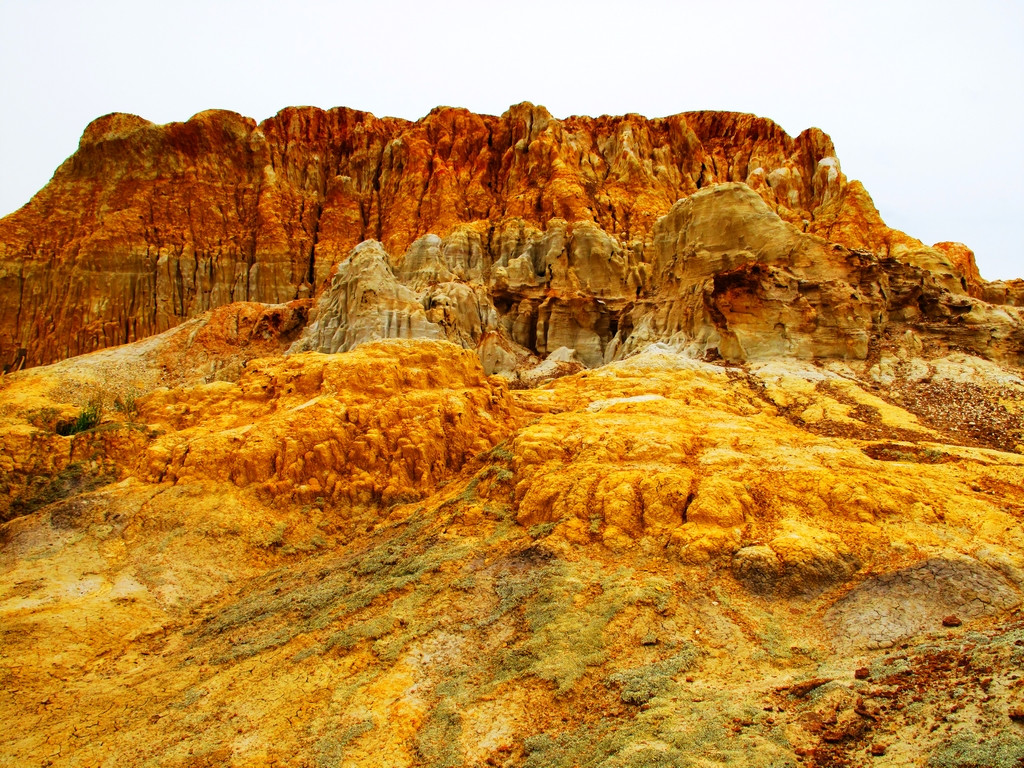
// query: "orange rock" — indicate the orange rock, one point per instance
point(962, 259)
point(148, 225)
point(386, 557)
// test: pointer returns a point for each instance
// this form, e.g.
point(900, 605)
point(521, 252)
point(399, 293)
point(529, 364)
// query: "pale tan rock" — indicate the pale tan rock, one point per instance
point(365, 303)
point(218, 209)
point(724, 276)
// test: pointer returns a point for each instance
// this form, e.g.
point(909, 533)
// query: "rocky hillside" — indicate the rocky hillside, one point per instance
point(478, 441)
point(388, 558)
point(514, 234)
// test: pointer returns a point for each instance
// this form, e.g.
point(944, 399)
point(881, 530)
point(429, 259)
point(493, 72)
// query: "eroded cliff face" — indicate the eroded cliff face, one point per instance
point(552, 232)
point(721, 275)
point(500, 441)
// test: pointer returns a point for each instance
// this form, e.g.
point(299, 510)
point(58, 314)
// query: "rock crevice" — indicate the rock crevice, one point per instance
point(148, 225)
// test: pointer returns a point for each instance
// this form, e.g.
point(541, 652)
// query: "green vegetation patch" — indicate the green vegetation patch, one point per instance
point(641, 684)
point(980, 750)
point(606, 743)
point(86, 419)
point(566, 608)
point(679, 736)
point(330, 748)
point(500, 452)
point(329, 593)
point(439, 741)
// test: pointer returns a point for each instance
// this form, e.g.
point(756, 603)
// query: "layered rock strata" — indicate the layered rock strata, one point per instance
point(519, 228)
point(722, 274)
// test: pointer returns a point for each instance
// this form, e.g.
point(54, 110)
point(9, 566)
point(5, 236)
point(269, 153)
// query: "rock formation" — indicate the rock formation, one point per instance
point(386, 557)
point(514, 235)
point(500, 441)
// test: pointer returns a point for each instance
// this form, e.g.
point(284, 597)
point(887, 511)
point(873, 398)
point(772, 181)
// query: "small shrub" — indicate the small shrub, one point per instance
point(87, 419)
point(126, 404)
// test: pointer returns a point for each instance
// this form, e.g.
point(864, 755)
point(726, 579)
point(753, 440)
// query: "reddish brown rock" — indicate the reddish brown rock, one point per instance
point(148, 225)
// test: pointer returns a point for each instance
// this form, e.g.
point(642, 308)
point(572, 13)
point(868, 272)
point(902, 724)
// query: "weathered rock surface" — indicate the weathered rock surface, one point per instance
point(891, 607)
point(722, 274)
point(520, 228)
point(747, 488)
point(386, 557)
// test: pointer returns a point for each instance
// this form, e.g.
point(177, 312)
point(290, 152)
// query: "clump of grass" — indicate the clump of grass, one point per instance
point(86, 419)
point(500, 452)
point(641, 684)
point(125, 403)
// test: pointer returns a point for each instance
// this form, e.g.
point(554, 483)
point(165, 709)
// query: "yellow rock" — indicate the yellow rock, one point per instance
point(388, 558)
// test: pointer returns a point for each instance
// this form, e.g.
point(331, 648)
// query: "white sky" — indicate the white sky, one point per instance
point(924, 100)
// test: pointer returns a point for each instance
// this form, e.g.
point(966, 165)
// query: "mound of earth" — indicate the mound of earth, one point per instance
point(508, 441)
point(387, 557)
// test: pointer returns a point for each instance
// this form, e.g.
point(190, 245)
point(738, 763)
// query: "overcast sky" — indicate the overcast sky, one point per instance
point(924, 101)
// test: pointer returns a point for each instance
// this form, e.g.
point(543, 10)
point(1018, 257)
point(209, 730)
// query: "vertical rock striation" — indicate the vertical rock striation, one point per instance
point(148, 225)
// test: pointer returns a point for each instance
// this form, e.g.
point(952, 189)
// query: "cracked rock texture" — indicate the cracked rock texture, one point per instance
point(387, 557)
point(500, 441)
point(893, 606)
point(513, 235)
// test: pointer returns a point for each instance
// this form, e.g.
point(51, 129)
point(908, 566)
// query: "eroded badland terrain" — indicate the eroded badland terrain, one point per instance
point(511, 441)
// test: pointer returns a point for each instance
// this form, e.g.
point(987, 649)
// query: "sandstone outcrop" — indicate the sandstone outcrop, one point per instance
point(520, 228)
point(500, 441)
point(386, 557)
point(722, 274)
